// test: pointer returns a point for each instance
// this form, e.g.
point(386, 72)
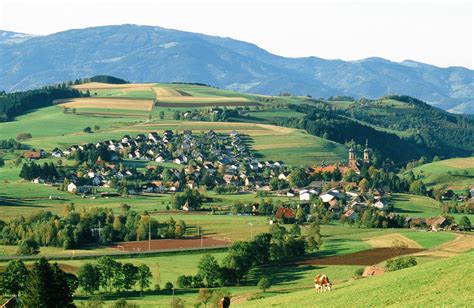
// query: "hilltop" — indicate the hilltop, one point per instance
point(145, 53)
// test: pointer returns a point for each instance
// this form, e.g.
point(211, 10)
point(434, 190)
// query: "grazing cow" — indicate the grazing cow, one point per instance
point(224, 302)
point(322, 283)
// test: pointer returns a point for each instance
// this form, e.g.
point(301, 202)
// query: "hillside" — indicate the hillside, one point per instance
point(455, 173)
point(119, 109)
point(144, 53)
point(435, 283)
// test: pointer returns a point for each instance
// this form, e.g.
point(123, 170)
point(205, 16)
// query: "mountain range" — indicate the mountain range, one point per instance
point(148, 53)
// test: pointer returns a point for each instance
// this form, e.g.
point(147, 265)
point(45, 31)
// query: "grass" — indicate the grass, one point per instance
point(448, 173)
point(420, 206)
point(430, 240)
point(435, 283)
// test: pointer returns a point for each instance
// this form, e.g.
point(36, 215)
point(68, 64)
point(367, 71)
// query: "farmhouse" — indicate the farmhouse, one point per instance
point(32, 155)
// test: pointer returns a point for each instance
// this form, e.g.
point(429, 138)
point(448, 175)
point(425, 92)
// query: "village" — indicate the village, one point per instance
point(175, 162)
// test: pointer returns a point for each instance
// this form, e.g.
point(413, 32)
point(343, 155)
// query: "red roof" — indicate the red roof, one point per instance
point(288, 213)
point(31, 154)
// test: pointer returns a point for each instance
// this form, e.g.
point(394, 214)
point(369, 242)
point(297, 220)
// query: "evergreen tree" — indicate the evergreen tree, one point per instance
point(47, 286)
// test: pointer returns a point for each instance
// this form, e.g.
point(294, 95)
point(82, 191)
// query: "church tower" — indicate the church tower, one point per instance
point(352, 160)
point(366, 152)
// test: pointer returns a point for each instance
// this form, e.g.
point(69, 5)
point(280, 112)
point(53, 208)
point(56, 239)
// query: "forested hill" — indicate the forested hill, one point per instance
point(398, 127)
point(18, 103)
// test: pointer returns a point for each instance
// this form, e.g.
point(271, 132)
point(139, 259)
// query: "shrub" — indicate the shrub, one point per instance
point(255, 297)
point(28, 248)
point(184, 281)
point(264, 284)
point(23, 136)
point(168, 286)
point(122, 303)
point(400, 263)
point(359, 272)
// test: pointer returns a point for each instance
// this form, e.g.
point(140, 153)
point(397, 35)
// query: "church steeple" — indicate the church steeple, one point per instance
point(366, 152)
point(352, 159)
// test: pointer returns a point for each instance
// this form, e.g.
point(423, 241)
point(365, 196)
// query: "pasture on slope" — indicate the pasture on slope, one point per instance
point(435, 283)
point(456, 173)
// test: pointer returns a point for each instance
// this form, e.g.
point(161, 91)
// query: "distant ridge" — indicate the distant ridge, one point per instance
point(146, 53)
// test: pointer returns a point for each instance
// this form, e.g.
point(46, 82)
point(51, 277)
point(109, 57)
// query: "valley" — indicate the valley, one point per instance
point(306, 183)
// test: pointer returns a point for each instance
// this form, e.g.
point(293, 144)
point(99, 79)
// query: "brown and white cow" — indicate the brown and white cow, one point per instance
point(322, 283)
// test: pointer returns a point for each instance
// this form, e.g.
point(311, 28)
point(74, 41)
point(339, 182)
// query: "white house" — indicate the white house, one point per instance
point(72, 188)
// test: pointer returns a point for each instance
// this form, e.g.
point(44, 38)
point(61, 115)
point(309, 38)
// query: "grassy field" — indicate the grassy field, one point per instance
point(420, 206)
point(434, 283)
point(456, 173)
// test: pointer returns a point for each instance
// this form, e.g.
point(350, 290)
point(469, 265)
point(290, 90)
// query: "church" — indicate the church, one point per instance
point(353, 164)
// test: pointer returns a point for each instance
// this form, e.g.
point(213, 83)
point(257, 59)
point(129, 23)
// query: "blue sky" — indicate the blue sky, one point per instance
point(438, 32)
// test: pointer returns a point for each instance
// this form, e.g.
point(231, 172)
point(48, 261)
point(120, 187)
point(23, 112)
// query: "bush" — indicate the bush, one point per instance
point(400, 263)
point(264, 284)
point(23, 136)
point(359, 272)
point(168, 286)
point(28, 248)
point(122, 303)
point(255, 297)
point(184, 281)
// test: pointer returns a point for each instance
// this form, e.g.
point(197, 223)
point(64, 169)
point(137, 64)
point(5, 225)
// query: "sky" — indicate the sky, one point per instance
point(438, 32)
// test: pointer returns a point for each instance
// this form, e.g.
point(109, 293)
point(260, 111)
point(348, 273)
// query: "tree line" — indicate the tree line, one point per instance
point(17, 103)
point(276, 246)
point(77, 228)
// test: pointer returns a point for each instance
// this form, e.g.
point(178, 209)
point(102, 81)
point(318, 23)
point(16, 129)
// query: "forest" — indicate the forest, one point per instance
point(18, 103)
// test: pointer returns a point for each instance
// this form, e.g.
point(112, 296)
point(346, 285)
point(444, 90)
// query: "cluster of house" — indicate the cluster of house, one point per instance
point(339, 200)
point(224, 158)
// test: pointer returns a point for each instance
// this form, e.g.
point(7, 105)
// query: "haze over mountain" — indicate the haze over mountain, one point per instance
point(146, 53)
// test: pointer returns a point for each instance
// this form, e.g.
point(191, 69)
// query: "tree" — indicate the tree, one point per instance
point(204, 296)
point(96, 127)
point(298, 178)
point(130, 274)
point(107, 267)
point(313, 237)
point(209, 270)
point(28, 247)
point(47, 286)
point(264, 284)
point(465, 223)
point(162, 115)
point(363, 185)
point(2, 162)
point(190, 196)
point(89, 278)
point(144, 277)
point(169, 286)
point(13, 278)
point(87, 129)
point(417, 187)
